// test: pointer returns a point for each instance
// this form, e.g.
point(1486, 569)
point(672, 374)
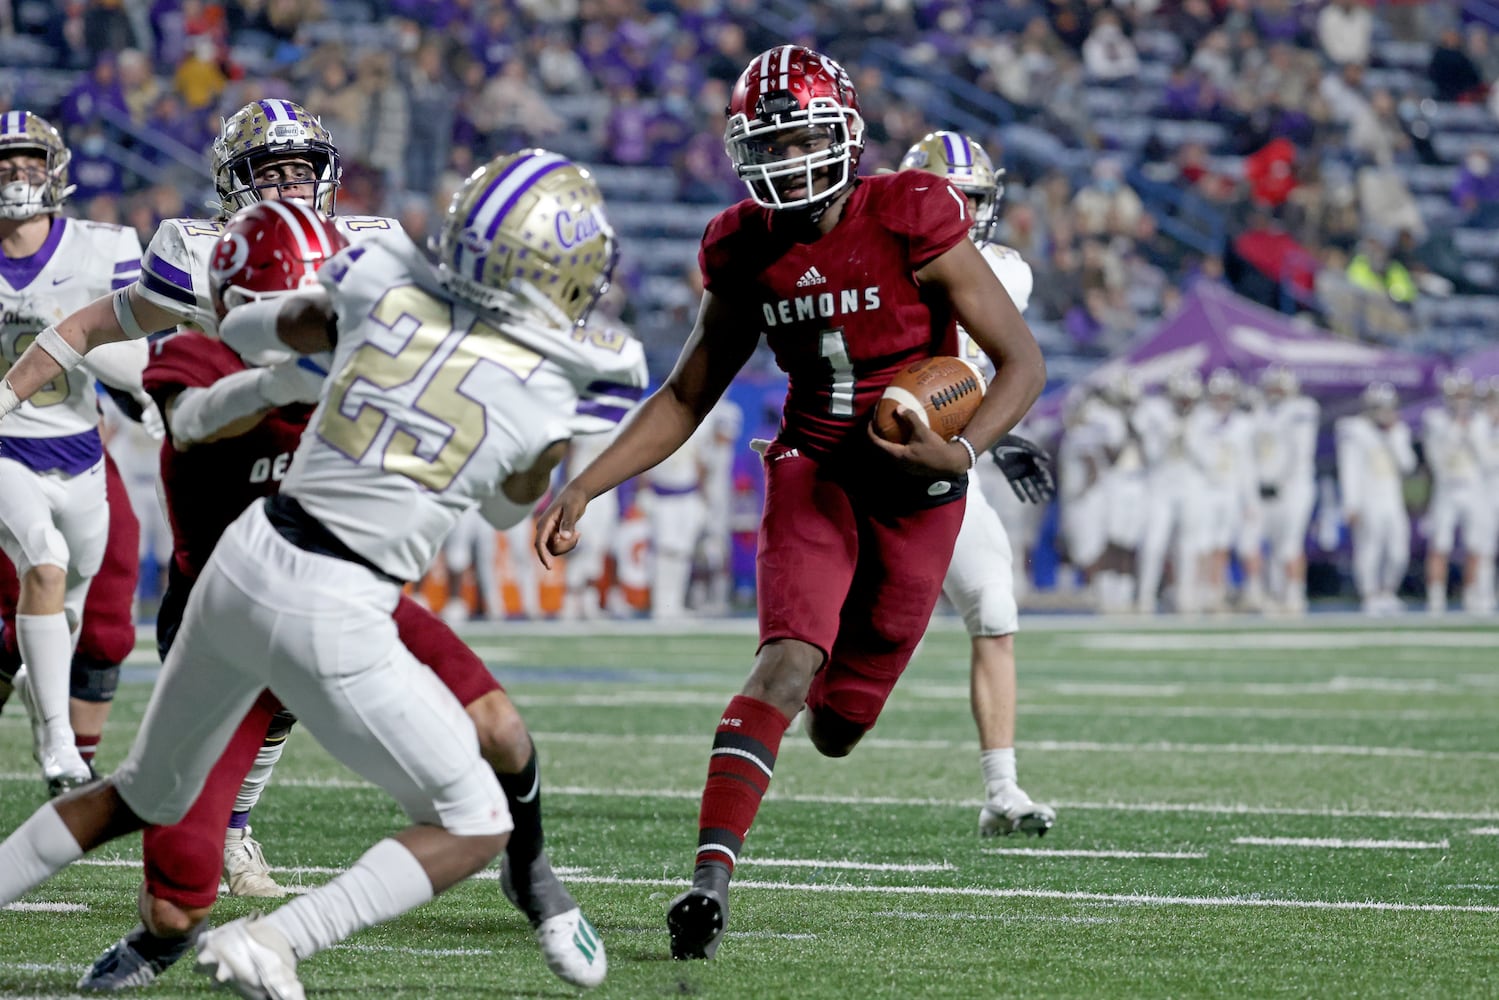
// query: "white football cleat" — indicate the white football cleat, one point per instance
point(251, 959)
point(63, 767)
point(573, 949)
point(1010, 810)
point(245, 867)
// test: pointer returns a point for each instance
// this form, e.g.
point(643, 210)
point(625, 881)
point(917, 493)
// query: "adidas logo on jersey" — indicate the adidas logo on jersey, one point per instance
point(812, 277)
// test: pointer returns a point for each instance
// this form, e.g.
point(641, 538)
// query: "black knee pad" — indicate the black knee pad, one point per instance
point(93, 681)
point(280, 727)
point(832, 734)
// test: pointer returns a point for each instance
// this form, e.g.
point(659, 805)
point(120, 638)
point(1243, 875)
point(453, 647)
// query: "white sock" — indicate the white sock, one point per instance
point(384, 883)
point(999, 767)
point(260, 773)
point(47, 649)
point(39, 849)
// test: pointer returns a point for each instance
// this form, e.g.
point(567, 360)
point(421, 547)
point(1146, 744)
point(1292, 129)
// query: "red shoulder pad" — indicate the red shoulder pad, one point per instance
point(188, 360)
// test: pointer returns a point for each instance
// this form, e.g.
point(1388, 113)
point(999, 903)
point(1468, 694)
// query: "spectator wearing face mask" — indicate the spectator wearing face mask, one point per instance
point(1107, 206)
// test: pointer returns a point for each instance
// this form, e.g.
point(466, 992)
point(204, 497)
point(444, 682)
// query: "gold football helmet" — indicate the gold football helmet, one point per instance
point(526, 234)
point(272, 130)
point(964, 162)
point(24, 132)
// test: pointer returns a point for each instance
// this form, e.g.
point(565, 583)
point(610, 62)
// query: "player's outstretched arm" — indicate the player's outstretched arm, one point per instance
point(991, 319)
point(719, 345)
point(263, 330)
point(121, 315)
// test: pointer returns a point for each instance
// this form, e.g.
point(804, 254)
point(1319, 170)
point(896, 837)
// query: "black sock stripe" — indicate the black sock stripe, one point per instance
point(748, 744)
point(718, 835)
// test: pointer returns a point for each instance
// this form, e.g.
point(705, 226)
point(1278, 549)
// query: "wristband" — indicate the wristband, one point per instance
point(973, 458)
point(8, 398)
point(58, 349)
point(125, 315)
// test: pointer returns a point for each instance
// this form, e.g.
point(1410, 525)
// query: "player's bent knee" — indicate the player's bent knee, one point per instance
point(504, 740)
point(832, 734)
point(93, 681)
point(49, 576)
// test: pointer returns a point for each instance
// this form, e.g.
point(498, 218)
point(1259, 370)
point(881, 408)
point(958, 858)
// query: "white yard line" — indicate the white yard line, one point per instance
point(1337, 843)
point(1210, 808)
point(1005, 918)
point(1484, 831)
point(1260, 641)
point(859, 866)
point(1041, 852)
point(1125, 899)
point(46, 907)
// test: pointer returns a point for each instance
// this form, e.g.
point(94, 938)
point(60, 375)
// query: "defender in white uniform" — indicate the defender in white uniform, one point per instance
point(453, 387)
point(716, 542)
point(1285, 461)
point(1219, 441)
point(54, 519)
point(1456, 441)
point(672, 497)
point(1174, 486)
point(981, 578)
point(1374, 457)
point(584, 570)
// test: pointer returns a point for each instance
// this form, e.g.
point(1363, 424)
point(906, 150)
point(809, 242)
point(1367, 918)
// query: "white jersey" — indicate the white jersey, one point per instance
point(174, 271)
point(1015, 274)
point(1162, 433)
point(433, 402)
point(1456, 449)
point(1221, 446)
point(1285, 443)
point(1372, 463)
point(78, 263)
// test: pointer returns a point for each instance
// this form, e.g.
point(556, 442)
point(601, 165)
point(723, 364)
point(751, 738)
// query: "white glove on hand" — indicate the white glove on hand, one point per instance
point(291, 382)
point(151, 421)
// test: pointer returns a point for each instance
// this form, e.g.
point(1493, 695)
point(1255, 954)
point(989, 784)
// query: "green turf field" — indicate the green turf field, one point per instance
point(1252, 811)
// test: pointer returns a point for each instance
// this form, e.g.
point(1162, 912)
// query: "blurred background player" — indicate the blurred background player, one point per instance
point(1121, 490)
point(1374, 457)
point(469, 554)
point(584, 573)
point(1174, 517)
point(1285, 463)
point(715, 543)
point(838, 622)
point(980, 580)
point(672, 494)
point(1082, 460)
point(54, 511)
point(1218, 439)
point(1455, 439)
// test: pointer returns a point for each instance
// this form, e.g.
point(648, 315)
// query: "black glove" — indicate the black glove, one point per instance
point(1027, 466)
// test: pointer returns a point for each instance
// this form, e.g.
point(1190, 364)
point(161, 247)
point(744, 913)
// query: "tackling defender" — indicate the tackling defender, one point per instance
point(449, 381)
point(236, 426)
point(980, 581)
point(54, 512)
point(851, 279)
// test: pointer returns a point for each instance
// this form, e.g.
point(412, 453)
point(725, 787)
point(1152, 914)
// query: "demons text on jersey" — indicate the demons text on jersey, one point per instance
point(821, 306)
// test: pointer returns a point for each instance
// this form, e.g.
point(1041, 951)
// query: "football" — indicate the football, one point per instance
point(942, 392)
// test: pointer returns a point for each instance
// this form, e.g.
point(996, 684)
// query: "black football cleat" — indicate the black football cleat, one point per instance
point(134, 961)
point(696, 921)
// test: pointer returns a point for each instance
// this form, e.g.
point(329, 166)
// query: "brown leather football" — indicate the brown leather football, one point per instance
point(942, 392)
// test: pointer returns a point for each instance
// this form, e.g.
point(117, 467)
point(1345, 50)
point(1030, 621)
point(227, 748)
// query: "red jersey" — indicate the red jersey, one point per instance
point(209, 485)
point(843, 314)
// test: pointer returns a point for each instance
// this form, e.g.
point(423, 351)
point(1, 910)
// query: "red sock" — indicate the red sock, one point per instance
point(88, 745)
point(739, 769)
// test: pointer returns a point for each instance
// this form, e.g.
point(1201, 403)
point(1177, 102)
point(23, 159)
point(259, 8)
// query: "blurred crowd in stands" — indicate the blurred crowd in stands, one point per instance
point(1317, 155)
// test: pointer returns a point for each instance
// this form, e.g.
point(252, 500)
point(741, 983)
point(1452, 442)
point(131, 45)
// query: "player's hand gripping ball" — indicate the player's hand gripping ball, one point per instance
point(941, 393)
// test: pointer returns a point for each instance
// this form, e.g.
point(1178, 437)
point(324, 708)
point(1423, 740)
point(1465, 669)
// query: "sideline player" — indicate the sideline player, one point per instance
point(980, 582)
point(1285, 460)
point(1455, 439)
point(54, 512)
point(852, 279)
point(318, 568)
point(1174, 484)
point(236, 426)
point(1374, 457)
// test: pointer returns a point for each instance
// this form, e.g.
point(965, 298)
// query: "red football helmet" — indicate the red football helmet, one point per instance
point(793, 122)
point(269, 249)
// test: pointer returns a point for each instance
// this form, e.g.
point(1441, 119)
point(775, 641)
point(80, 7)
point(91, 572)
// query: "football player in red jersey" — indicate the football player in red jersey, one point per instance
point(850, 279)
point(232, 429)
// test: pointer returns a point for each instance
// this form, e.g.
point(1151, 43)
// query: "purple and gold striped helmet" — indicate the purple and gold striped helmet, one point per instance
point(24, 132)
point(264, 131)
point(526, 234)
point(961, 160)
